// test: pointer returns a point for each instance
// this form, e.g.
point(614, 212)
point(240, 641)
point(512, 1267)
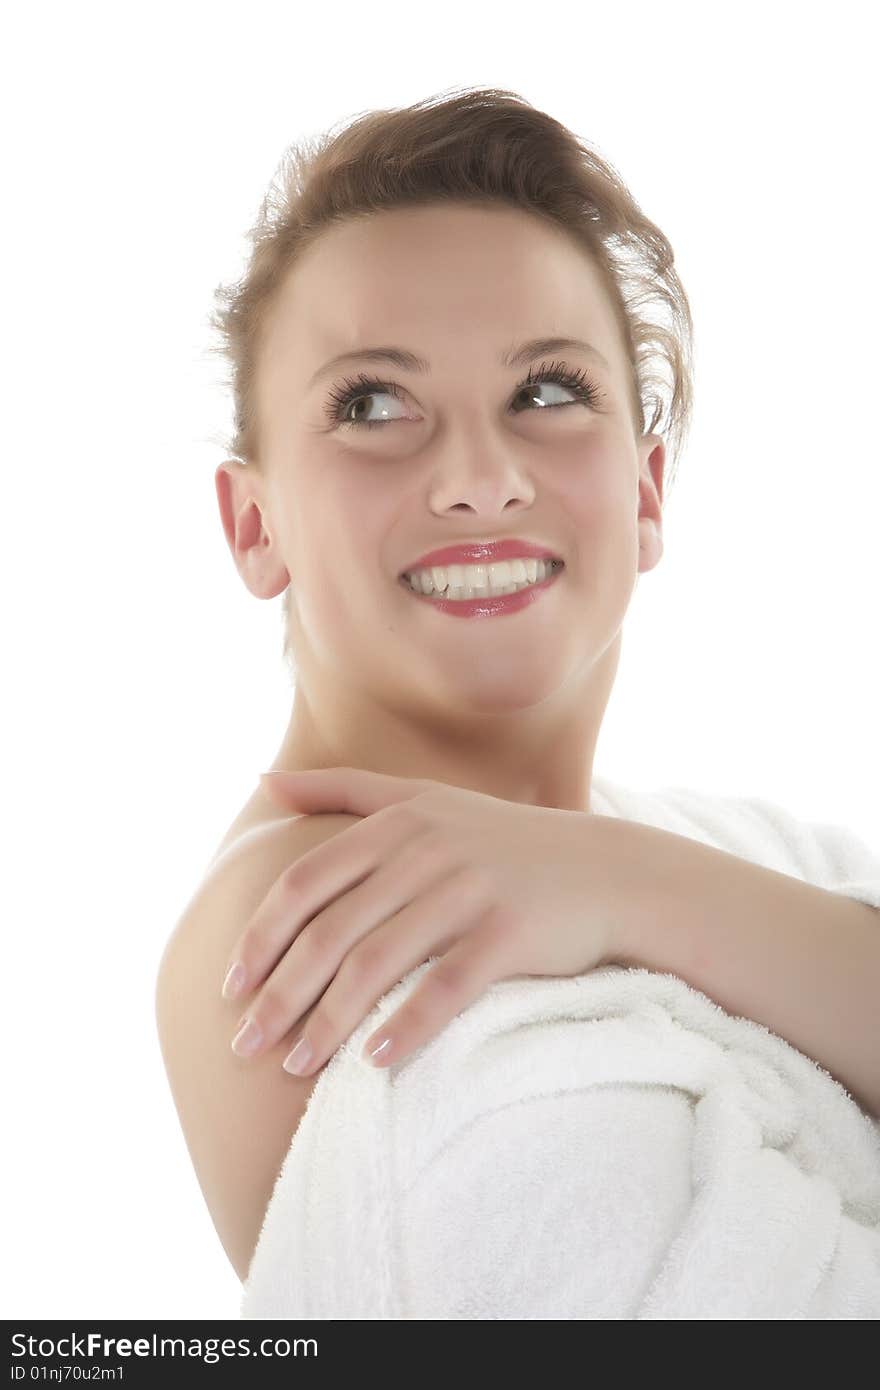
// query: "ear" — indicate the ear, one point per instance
point(246, 526)
point(652, 462)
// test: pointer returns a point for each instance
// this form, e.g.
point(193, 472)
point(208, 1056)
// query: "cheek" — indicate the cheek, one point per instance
point(602, 521)
point(344, 559)
point(596, 496)
point(341, 517)
point(330, 611)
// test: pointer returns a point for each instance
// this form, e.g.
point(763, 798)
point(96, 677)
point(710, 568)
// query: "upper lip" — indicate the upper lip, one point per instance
point(480, 552)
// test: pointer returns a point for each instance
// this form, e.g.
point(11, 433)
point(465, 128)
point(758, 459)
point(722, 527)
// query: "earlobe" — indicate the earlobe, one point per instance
point(650, 544)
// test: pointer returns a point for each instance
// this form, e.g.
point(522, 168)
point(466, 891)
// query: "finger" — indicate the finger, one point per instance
point(301, 892)
point(354, 790)
point(385, 955)
point(461, 976)
point(328, 945)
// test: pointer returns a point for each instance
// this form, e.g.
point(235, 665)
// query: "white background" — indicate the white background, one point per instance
point(145, 688)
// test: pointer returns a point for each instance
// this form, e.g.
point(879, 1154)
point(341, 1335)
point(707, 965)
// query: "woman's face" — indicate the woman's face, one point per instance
point(463, 452)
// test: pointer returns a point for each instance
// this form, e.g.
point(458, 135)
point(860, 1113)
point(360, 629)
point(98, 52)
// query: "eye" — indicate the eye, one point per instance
point(351, 392)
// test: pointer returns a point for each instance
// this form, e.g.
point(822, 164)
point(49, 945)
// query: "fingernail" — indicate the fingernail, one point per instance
point(247, 1040)
point(234, 982)
point(382, 1047)
point(297, 1060)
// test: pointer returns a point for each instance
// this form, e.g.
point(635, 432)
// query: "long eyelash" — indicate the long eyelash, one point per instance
point(350, 390)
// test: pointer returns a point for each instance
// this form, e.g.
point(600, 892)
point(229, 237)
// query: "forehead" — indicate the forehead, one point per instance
point(439, 280)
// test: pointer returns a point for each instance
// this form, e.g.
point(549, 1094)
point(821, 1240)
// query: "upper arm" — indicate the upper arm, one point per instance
point(238, 1115)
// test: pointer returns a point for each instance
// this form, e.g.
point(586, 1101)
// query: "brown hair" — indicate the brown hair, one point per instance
point(475, 145)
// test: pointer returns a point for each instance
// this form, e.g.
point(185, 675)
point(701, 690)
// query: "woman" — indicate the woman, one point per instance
point(445, 350)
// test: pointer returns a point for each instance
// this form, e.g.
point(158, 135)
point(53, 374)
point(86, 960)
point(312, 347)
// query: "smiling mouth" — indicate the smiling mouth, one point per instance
point(467, 593)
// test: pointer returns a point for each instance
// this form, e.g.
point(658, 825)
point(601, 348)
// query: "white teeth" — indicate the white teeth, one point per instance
point(481, 581)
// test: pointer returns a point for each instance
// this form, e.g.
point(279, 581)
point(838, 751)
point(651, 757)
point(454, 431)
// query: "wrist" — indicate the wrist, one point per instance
point(626, 856)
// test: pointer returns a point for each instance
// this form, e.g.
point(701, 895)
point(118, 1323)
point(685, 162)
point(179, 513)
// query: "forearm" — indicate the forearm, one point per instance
point(800, 960)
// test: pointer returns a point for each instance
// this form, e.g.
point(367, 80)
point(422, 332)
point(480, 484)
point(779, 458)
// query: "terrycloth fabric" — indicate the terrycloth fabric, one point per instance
point(609, 1146)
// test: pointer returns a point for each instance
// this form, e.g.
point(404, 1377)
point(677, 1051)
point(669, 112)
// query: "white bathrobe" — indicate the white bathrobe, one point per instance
point(612, 1145)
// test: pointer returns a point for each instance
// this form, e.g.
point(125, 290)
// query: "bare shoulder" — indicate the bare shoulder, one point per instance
point(238, 1115)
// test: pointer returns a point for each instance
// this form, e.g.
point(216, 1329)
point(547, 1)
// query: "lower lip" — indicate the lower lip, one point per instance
point(488, 607)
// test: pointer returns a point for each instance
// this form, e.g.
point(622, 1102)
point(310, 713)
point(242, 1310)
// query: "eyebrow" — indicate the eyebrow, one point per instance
point(515, 357)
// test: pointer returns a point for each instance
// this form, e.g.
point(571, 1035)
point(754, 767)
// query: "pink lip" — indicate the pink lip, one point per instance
point(480, 552)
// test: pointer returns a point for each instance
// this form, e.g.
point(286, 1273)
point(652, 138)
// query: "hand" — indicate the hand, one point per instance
point(494, 887)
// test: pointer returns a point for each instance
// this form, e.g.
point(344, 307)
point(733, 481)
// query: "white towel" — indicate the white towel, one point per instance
point(609, 1146)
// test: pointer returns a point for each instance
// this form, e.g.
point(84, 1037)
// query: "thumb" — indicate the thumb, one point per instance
point(282, 788)
point(316, 789)
point(342, 789)
point(319, 789)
